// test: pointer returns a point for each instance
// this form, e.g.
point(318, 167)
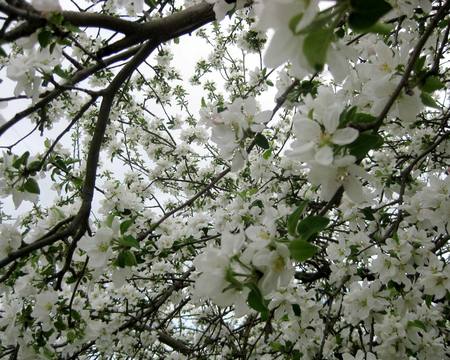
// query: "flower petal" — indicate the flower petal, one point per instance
point(324, 156)
point(344, 136)
point(353, 189)
point(307, 130)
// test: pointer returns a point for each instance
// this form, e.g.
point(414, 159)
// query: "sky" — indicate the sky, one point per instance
point(186, 53)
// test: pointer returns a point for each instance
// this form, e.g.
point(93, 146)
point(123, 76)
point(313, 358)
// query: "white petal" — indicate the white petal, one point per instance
point(238, 162)
point(249, 105)
point(307, 129)
point(302, 148)
point(409, 106)
point(324, 156)
point(331, 121)
point(279, 48)
point(344, 136)
point(353, 189)
point(263, 117)
point(328, 189)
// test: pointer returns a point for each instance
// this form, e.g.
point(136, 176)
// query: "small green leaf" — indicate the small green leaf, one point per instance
point(2, 52)
point(59, 324)
point(34, 166)
point(22, 160)
point(432, 83)
point(256, 301)
point(126, 258)
point(56, 18)
point(419, 64)
point(368, 213)
point(276, 346)
point(366, 13)
point(296, 309)
point(418, 324)
point(60, 72)
point(125, 225)
point(294, 22)
point(428, 100)
point(128, 241)
point(311, 225)
point(262, 141)
point(370, 6)
point(231, 278)
point(267, 154)
point(347, 116)
point(364, 143)
point(293, 219)
point(380, 28)
point(31, 186)
point(363, 118)
point(45, 37)
point(301, 250)
point(315, 47)
point(109, 220)
point(70, 27)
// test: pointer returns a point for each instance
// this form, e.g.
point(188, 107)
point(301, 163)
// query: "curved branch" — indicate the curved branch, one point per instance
point(76, 78)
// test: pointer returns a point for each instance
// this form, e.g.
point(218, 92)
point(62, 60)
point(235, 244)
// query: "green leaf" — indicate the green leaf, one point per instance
point(363, 118)
point(419, 64)
point(56, 18)
point(231, 278)
point(126, 258)
point(31, 186)
point(296, 309)
point(366, 13)
point(368, 213)
point(267, 154)
point(428, 100)
point(125, 225)
point(59, 324)
point(432, 83)
point(347, 116)
point(294, 22)
point(301, 250)
point(262, 141)
point(128, 241)
point(311, 225)
point(2, 52)
point(71, 27)
point(371, 6)
point(22, 160)
point(34, 166)
point(364, 143)
point(315, 47)
point(45, 37)
point(256, 301)
point(293, 219)
point(380, 28)
point(418, 324)
point(60, 72)
point(109, 220)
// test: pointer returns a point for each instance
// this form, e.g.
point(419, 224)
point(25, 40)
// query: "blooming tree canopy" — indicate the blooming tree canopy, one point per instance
point(285, 197)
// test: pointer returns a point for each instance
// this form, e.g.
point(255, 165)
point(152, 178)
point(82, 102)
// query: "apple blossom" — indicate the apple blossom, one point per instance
point(224, 179)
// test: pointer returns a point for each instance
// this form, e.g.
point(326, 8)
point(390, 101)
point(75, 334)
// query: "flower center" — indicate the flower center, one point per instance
point(278, 264)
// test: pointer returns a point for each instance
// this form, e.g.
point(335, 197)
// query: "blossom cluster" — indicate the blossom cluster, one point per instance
point(286, 198)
